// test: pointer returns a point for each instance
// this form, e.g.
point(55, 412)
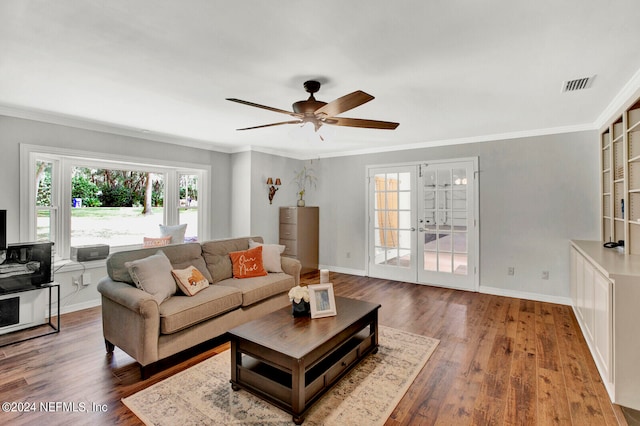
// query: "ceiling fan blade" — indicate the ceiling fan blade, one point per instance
point(345, 103)
point(282, 111)
point(359, 122)
point(273, 124)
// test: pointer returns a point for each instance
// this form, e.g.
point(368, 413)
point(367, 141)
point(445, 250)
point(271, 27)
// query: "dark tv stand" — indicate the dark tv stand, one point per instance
point(51, 326)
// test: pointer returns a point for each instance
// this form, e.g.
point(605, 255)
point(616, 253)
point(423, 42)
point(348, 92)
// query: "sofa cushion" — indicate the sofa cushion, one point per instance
point(179, 312)
point(156, 242)
point(247, 263)
point(270, 255)
point(260, 288)
point(190, 280)
point(153, 275)
point(181, 256)
point(216, 255)
point(176, 232)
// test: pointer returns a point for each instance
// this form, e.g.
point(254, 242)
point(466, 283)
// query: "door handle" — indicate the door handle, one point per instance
point(413, 229)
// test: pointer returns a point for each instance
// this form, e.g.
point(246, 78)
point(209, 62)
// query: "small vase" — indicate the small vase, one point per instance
point(301, 309)
point(301, 203)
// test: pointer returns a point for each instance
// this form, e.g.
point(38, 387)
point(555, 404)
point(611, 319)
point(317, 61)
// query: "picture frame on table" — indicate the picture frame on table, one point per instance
point(322, 300)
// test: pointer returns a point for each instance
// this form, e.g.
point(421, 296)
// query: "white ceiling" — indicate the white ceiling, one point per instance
point(449, 70)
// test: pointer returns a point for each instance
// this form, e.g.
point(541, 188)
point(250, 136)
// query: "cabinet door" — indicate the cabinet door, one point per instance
point(580, 286)
point(587, 305)
point(574, 277)
point(602, 289)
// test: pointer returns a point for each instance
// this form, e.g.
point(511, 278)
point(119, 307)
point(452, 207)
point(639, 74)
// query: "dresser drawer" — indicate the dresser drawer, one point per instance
point(288, 231)
point(291, 247)
point(288, 215)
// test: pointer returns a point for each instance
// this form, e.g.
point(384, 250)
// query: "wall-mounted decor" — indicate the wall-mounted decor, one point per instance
point(273, 187)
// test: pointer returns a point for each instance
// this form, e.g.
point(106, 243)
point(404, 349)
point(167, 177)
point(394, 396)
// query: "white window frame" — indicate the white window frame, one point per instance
point(54, 207)
point(178, 207)
point(66, 159)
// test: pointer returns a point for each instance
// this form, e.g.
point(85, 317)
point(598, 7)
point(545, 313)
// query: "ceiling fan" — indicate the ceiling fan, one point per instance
point(318, 113)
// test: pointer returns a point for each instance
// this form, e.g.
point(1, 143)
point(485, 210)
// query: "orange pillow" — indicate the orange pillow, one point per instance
point(247, 263)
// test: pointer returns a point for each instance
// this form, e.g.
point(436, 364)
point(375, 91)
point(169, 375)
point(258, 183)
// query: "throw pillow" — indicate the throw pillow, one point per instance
point(153, 275)
point(190, 280)
point(156, 242)
point(247, 263)
point(176, 232)
point(270, 255)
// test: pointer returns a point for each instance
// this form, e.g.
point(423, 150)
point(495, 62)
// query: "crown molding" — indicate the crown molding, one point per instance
point(628, 93)
point(104, 127)
point(94, 125)
point(474, 139)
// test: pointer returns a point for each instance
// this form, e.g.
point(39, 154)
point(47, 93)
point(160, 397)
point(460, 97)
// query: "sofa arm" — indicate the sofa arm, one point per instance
point(130, 320)
point(291, 267)
point(129, 297)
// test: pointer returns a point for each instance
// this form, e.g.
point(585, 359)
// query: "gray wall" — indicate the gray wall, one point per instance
point(251, 212)
point(264, 216)
point(535, 195)
point(241, 194)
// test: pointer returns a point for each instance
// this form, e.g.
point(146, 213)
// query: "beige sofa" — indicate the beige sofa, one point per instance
point(148, 331)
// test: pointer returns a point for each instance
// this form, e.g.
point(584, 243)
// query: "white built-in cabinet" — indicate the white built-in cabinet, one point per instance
point(620, 179)
point(605, 290)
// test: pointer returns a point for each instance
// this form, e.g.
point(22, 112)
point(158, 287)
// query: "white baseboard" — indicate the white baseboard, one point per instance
point(483, 289)
point(525, 295)
point(77, 306)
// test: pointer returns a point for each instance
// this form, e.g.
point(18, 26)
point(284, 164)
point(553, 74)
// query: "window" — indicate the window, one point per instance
point(111, 206)
point(75, 198)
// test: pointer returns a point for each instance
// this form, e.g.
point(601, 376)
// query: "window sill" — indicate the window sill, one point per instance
point(67, 265)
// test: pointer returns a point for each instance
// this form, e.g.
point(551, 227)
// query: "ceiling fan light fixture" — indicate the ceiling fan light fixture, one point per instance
point(318, 113)
point(308, 132)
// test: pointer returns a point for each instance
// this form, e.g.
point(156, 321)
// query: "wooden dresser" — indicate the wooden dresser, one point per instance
point(299, 233)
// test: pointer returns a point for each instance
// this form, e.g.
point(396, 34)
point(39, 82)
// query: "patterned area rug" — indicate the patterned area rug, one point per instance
point(202, 394)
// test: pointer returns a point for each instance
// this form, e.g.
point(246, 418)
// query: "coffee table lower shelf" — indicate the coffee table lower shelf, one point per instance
point(272, 382)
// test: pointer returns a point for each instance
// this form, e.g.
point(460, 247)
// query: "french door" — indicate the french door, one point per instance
point(392, 223)
point(422, 223)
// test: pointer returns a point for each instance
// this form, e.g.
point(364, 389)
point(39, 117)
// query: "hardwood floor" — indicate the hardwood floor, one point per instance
point(500, 361)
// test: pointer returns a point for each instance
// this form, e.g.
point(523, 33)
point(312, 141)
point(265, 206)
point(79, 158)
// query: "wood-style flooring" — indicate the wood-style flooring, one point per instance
point(500, 361)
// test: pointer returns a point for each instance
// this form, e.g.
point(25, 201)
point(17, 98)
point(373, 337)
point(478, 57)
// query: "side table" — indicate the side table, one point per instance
point(54, 327)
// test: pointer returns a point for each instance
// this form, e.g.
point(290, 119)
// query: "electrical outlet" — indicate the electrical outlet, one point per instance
point(86, 279)
point(511, 270)
point(545, 275)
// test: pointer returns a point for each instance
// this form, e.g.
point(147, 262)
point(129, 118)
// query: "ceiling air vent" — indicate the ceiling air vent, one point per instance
point(577, 84)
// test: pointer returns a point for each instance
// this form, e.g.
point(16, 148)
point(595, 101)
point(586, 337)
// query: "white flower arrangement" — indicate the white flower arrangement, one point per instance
point(297, 293)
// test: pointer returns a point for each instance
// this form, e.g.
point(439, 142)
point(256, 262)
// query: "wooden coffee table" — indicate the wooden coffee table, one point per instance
point(291, 362)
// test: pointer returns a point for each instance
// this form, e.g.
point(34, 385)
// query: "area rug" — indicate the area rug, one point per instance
point(202, 395)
